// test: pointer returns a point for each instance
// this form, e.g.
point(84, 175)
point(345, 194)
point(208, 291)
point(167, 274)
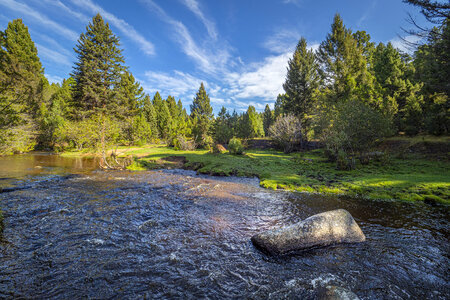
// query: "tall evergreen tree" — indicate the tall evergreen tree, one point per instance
point(21, 86)
point(98, 75)
point(344, 67)
point(267, 119)
point(302, 81)
point(98, 71)
point(201, 113)
point(150, 115)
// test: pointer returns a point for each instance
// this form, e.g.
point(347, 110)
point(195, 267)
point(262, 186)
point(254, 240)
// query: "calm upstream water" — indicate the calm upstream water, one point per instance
point(75, 232)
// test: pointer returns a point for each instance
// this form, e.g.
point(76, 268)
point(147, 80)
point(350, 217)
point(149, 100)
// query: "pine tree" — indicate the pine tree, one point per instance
point(394, 75)
point(98, 76)
point(201, 113)
point(150, 115)
point(223, 130)
point(130, 94)
point(21, 86)
point(98, 70)
point(302, 81)
point(267, 119)
point(344, 67)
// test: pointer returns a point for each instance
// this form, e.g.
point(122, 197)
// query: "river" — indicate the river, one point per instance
point(72, 232)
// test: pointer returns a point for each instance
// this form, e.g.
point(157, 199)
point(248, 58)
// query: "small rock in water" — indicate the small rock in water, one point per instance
point(335, 293)
point(331, 227)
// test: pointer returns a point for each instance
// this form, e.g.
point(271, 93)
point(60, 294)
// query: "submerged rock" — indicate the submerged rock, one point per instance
point(335, 293)
point(331, 227)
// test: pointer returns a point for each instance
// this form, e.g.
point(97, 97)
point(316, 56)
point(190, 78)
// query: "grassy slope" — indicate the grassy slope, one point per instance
point(410, 178)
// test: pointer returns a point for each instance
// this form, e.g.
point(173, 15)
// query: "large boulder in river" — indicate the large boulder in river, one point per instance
point(331, 227)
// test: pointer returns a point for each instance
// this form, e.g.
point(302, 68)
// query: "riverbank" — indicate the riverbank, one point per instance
point(409, 176)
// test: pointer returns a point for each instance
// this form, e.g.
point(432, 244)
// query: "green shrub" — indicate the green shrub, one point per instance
point(235, 146)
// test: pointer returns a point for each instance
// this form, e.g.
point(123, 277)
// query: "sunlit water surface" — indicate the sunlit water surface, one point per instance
point(74, 232)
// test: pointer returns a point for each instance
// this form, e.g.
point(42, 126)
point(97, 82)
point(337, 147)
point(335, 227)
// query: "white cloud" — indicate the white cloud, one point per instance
point(265, 81)
point(52, 55)
point(366, 13)
point(178, 84)
point(53, 79)
point(126, 29)
point(211, 58)
point(42, 19)
point(282, 41)
point(79, 16)
point(296, 2)
point(210, 26)
point(402, 43)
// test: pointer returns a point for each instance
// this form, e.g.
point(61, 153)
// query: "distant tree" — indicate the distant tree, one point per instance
point(251, 124)
point(201, 113)
point(223, 129)
point(267, 119)
point(150, 116)
point(302, 82)
point(21, 86)
point(56, 114)
point(394, 76)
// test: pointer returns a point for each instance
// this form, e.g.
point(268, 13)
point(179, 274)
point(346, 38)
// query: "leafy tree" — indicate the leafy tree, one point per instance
point(267, 119)
point(352, 129)
point(201, 113)
point(21, 86)
point(302, 81)
point(57, 113)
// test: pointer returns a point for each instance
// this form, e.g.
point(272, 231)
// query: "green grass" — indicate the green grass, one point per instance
point(412, 178)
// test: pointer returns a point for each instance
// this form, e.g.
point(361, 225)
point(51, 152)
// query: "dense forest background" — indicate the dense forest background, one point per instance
point(349, 94)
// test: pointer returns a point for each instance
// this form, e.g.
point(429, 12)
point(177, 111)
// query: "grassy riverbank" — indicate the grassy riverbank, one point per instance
point(411, 177)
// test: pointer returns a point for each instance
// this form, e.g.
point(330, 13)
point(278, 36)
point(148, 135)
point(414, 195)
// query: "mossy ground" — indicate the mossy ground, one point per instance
point(412, 177)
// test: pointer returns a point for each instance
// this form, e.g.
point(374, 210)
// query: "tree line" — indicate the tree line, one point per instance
point(101, 104)
point(348, 94)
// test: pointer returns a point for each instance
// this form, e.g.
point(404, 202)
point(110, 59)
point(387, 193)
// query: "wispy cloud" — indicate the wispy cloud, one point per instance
point(52, 55)
point(296, 2)
point(209, 59)
point(127, 30)
point(194, 7)
point(40, 18)
point(77, 15)
point(366, 13)
point(178, 84)
point(282, 40)
point(264, 81)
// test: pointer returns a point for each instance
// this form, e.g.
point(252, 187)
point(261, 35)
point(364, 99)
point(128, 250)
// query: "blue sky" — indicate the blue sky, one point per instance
point(238, 48)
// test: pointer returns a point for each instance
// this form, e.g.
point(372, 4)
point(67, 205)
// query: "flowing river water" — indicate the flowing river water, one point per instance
point(72, 231)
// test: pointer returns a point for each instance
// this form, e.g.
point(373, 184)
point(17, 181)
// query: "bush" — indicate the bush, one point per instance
point(235, 146)
point(286, 132)
point(352, 128)
point(181, 143)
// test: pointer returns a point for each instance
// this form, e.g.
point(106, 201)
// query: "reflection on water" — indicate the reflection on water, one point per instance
point(172, 234)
